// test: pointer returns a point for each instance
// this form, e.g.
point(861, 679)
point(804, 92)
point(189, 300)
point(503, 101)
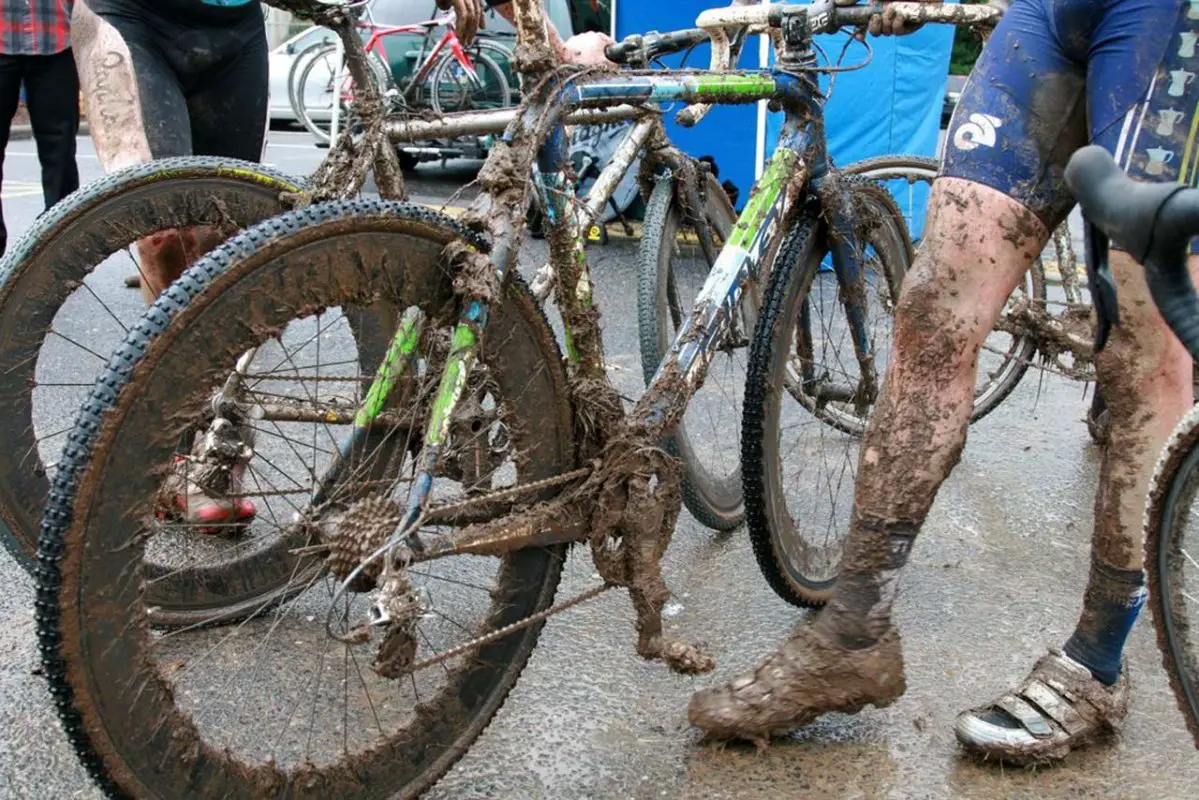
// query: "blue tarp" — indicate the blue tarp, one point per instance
point(728, 133)
point(891, 106)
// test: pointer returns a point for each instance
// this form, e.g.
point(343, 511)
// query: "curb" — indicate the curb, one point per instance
point(21, 132)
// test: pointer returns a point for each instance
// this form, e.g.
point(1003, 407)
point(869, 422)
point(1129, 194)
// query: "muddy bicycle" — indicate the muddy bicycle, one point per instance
point(55, 284)
point(1155, 223)
point(58, 304)
point(431, 545)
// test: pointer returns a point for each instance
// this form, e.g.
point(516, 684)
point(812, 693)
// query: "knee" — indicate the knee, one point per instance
point(934, 322)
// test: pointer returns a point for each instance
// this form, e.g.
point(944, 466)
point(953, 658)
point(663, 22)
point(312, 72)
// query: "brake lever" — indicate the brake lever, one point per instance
point(1101, 283)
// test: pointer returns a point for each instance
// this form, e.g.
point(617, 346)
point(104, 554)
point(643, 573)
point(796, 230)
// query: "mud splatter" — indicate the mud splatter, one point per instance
point(474, 275)
point(1145, 379)
point(808, 677)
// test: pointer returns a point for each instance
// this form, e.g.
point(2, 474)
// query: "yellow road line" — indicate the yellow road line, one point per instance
point(14, 189)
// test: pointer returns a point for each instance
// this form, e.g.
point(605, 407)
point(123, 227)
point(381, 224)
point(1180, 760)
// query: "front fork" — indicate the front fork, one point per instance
point(847, 255)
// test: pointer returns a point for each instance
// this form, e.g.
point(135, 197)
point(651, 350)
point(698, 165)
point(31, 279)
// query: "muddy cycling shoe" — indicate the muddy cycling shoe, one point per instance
point(1058, 707)
point(809, 676)
point(183, 501)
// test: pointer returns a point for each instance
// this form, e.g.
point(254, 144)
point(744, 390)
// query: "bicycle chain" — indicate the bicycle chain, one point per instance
point(442, 511)
point(508, 630)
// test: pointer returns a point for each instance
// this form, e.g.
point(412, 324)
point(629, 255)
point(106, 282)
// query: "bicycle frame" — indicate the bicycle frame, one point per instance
point(800, 161)
point(374, 44)
point(646, 132)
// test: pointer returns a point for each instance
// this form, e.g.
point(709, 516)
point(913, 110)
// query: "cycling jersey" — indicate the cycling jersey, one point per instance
point(1057, 73)
point(197, 72)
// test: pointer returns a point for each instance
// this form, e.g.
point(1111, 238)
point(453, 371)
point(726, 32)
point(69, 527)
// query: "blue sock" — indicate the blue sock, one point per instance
point(1109, 608)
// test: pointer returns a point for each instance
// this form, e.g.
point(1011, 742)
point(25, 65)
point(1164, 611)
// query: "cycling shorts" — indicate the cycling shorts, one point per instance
point(1057, 74)
point(173, 78)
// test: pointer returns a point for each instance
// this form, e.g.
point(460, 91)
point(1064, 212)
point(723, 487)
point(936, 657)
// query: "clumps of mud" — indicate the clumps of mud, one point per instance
point(807, 677)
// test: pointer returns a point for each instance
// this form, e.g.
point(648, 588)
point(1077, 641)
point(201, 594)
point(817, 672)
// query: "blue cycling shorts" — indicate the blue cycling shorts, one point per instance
point(1057, 74)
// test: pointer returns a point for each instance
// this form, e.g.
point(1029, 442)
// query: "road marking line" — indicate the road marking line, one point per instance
point(14, 189)
point(33, 154)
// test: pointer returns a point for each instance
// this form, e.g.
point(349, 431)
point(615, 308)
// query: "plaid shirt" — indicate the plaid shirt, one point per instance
point(35, 27)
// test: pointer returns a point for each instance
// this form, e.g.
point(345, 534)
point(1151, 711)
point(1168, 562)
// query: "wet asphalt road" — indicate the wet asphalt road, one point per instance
point(996, 578)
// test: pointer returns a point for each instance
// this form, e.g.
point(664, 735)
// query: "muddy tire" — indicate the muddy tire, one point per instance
point(670, 274)
point(1003, 363)
point(797, 539)
point(1171, 555)
point(118, 689)
point(43, 269)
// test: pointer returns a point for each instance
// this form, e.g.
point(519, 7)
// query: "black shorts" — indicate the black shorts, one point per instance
point(201, 74)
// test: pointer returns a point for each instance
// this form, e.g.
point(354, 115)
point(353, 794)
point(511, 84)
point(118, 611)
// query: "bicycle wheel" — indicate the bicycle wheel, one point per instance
point(62, 305)
point(799, 458)
point(293, 75)
point(1172, 564)
point(278, 707)
point(318, 89)
point(1006, 354)
point(671, 270)
point(451, 87)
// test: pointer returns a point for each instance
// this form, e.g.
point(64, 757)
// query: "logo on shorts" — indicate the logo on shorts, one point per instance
point(979, 130)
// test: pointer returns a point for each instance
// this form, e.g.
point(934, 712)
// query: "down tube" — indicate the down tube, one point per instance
point(763, 218)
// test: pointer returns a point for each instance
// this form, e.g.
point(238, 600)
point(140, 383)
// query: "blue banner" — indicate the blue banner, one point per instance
point(729, 133)
point(891, 106)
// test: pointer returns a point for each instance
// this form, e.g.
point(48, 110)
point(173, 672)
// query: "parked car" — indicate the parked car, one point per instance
point(953, 91)
point(406, 52)
point(281, 59)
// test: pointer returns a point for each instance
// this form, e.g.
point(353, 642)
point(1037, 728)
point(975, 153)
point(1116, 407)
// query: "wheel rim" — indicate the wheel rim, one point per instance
point(257, 735)
point(704, 432)
point(816, 453)
point(1177, 600)
point(67, 306)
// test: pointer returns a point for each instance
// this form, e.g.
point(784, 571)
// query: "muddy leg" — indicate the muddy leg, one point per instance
point(116, 102)
point(978, 244)
point(1146, 377)
point(165, 255)
point(1081, 691)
